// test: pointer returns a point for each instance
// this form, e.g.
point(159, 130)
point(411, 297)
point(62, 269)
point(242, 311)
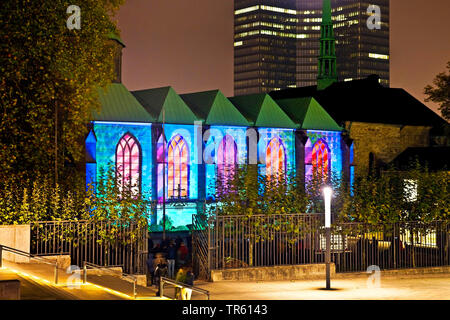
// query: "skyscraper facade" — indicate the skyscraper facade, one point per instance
point(361, 50)
point(277, 42)
point(265, 40)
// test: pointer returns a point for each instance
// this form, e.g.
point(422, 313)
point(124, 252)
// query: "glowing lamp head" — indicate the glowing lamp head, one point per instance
point(327, 192)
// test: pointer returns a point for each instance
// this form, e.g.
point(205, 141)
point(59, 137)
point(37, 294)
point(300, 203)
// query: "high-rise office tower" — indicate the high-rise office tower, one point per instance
point(277, 42)
point(265, 39)
point(360, 50)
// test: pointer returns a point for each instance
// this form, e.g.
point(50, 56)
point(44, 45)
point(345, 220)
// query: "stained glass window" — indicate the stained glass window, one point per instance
point(275, 158)
point(128, 164)
point(226, 159)
point(177, 168)
point(320, 159)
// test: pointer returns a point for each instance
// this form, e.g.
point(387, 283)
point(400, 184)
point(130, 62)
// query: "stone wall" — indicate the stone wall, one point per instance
point(17, 237)
point(275, 273)
point(385, 141)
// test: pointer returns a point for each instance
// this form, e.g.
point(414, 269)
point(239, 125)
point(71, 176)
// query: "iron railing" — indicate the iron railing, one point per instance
point(399, 245)
point(107, 270)
point(30, 256)
point(180, 285)
point(102, 243)
point(225, 242)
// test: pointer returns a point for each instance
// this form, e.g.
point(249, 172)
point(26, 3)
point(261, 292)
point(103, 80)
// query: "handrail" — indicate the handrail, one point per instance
point(179, 284)
point(124, 275)
point(28, 255)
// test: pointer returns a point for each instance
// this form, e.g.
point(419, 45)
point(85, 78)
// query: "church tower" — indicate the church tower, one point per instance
point(118, 47)
point(327, 53)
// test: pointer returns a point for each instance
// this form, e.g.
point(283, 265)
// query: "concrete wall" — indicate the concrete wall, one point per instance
point(276, 273)
point(18, 237)
point(62, 260)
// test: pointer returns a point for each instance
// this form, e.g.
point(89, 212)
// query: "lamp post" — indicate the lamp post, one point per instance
point(327, 192)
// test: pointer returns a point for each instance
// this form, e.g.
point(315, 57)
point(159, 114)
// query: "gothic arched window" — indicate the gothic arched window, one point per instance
point(226, 159)
point(178, 167)
point(275, 158)
point(128, 164)
point(320, 159)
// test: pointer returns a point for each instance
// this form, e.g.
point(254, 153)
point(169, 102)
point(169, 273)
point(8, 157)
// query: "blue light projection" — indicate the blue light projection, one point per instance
point(287, 139)
point(186, 132)
point(217, 133)
point(332, 140)
point(101, 148)
point(108, 136)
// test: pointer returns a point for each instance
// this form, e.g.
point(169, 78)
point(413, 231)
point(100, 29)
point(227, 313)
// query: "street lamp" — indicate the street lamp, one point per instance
point(327, 192)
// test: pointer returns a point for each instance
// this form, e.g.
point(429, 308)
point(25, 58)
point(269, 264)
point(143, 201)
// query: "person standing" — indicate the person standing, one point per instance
point(150, 270)
point(181, 277)
point(189, 280)
point(171, 256)
point(182, 254)
point(160, 270)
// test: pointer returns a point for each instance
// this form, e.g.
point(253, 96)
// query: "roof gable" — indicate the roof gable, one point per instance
point(155, 100)
point(118, 104)
point(214, 108)
point(309, 114)
point(365, 100)
point(262, 111)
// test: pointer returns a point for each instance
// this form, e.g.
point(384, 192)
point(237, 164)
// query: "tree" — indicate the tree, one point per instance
point(440, 92)
point(49, 76)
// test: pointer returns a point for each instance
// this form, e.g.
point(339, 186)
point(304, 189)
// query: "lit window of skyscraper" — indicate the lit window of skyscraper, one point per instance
point(265, 37)
point(277, 43)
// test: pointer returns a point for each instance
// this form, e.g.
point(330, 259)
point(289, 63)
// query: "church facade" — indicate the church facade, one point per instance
point(196, 137)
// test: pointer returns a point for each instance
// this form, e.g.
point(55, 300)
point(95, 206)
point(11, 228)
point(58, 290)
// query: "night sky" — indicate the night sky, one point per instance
point(188, 44)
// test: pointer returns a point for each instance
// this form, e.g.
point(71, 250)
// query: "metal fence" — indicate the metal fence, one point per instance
point(392, 246)
point(225, 242)
point(102, 243)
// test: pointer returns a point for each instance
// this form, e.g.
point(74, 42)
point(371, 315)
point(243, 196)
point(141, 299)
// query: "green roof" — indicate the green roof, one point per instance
point(309, 114)
point(214, 108)
point(118, 104)
point(114, 36)
point(262, 111)
point(155, 100)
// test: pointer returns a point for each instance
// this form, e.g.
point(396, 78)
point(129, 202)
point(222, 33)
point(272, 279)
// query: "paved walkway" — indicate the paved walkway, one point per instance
point(37, 283)
point(411, 287)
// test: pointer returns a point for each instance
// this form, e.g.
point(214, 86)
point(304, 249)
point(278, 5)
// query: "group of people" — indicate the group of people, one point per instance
point(166, 257)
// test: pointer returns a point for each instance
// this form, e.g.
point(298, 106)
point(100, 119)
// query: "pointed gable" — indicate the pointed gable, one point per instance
point(309, 114)
point(214, 108)
point(155, 100)
point(118, 104)
point(262, 111)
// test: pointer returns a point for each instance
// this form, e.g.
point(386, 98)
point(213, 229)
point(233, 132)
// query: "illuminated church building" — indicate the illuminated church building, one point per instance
point(207, 133)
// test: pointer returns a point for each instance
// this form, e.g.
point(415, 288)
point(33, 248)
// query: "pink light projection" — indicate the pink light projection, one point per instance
point(226, 159)
point(128, 163)
point(275, 158)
